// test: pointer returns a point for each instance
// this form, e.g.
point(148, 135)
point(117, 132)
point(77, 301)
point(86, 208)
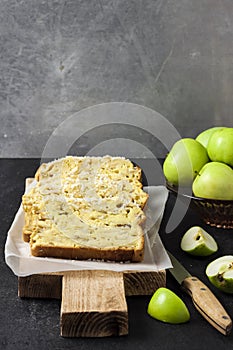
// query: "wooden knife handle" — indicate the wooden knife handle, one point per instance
point(207, 304)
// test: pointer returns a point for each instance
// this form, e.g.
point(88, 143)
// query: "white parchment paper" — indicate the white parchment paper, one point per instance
point(22, 263)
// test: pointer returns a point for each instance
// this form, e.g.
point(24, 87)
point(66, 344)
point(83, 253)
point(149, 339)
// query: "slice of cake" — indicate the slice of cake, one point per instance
point(86, 208)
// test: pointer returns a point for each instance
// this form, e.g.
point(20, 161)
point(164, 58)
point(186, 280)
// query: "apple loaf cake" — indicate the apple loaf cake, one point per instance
point(86, 208)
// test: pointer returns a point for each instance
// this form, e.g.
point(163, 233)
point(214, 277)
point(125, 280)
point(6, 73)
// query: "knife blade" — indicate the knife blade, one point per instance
point(203, 299)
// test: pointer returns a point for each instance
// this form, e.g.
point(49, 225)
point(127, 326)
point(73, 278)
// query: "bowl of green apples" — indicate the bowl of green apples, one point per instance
point(200, 171)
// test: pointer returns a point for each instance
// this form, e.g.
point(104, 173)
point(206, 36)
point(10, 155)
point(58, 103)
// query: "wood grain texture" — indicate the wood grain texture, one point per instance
point(143, 282)
point(207, 304)
point(93, 304)
point(49, 285)
point(40, 286)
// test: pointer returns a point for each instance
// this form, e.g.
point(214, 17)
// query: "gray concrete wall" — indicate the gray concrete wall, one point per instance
point(58, 57)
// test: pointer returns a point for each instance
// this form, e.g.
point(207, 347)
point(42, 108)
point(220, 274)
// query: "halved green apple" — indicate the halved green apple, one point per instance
point(196, 241)
point(220, 273)
point(167, 307)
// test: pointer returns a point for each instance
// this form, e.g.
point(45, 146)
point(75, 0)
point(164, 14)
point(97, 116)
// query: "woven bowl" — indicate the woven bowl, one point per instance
point(214, 212)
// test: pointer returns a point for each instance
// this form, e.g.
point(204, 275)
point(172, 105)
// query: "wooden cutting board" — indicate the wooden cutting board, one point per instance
point(93, 302)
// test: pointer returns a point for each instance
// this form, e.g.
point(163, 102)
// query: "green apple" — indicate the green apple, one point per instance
point(205, 135)
point(220, 273)
point(184, 161)
point(166, 306)
point(220, 146)
point(215, 181)
point(198, 242)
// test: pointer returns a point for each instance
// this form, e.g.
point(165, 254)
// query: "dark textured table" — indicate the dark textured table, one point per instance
point(34, 324)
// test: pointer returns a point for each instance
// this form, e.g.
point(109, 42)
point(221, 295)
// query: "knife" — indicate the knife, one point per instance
point(203, 299)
